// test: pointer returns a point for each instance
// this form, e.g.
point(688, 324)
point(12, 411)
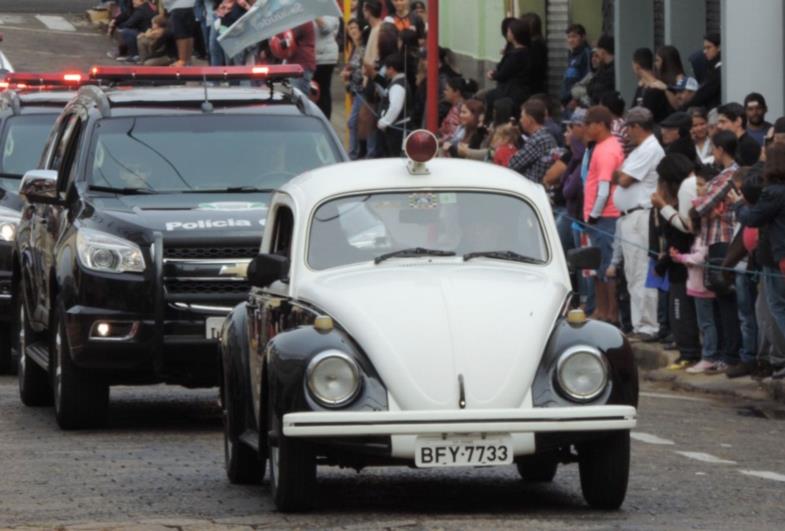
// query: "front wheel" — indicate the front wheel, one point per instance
point(243, 464)
point(605, 470)
point(34, 388)
point(292, 469)
point(81, 398)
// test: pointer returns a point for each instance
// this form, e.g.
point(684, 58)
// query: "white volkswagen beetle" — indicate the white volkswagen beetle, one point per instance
point(419, 315)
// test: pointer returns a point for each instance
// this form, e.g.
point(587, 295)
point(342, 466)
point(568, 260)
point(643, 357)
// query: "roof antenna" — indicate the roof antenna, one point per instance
point(207, 107)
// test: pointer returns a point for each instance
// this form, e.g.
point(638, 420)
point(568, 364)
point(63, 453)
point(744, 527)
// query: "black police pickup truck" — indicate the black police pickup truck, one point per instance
point(29, 106)
point(137, 230)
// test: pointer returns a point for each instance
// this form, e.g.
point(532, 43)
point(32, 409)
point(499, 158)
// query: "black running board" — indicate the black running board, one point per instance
point(39, 353)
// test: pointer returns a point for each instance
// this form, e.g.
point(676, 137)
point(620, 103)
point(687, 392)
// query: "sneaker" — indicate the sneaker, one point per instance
point(721, 366)
point(679, 365)
point(742, 369)
point(703, 367)
point(652, 338)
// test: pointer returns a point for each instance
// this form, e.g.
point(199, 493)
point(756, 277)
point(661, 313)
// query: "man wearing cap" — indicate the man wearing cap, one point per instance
point(757, 126)
point(676, 136)
point(637, 181)
point(733, 118)
point(683, 91)
point(604, 79)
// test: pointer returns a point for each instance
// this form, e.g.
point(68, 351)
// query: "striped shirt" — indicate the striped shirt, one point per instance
point(718, 217)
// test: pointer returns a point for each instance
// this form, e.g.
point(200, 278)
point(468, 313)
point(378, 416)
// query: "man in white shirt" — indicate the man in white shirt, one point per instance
point(637, 181)
point(394, 118)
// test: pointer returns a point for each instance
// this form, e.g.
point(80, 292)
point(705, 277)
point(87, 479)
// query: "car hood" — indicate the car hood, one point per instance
point(423, 326)
point(184, 216)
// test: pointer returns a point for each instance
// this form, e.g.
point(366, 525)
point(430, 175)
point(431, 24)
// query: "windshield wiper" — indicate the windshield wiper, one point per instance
point(17, 176)
point(122, 191)
point(231, 190)
point(502, 255)
point(413, 252)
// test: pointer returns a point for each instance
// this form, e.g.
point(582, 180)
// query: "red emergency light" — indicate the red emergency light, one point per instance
point(194, 73)
point(23, 80)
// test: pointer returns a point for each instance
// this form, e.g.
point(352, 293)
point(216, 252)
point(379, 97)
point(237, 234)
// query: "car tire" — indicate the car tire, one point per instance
point(34, 387)
point(7, 358)
point(537, 468)
point(605, 469)
point(81, 399)
point(292, 469)
point(244, 465)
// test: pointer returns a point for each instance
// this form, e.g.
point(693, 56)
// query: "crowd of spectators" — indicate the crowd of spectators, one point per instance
point(683, 194)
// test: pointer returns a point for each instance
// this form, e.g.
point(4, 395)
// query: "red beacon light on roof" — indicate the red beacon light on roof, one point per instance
point(164, 74)
point(42, 80)
point(420, 147)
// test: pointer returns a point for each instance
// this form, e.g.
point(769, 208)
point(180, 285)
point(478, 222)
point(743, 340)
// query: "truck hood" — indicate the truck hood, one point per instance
point(423, 326)
point(183, 216)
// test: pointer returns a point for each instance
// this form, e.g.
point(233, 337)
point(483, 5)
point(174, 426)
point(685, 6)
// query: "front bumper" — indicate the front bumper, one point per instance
point(525, 421)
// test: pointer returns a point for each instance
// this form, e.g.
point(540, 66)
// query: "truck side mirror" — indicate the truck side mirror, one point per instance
point(40, 186)
point(584, 258)
point(266, 269)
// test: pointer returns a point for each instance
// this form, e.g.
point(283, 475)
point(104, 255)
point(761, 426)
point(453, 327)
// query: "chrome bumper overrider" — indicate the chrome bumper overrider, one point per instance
point(538, 420)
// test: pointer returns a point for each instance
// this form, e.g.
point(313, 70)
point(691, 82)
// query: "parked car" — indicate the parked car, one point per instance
point(419, 315)
point(140, 222)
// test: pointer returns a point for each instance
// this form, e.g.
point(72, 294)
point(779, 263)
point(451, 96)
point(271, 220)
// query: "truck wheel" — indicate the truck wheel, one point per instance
point(34, 388)
point(605, 469)
point(7, 360)
point(537, 468)
point(243, 464)
point(81, 399)
point(292, 469)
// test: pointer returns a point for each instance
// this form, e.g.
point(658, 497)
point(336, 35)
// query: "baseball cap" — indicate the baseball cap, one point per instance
point(578, 116)
point(685, 83)
point(639, 115)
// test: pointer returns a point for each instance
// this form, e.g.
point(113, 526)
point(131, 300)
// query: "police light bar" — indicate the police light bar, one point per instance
point(23, 80)
point(194, 73)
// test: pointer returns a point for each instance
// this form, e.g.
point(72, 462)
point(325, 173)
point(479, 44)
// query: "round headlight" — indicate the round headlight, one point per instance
point(7, 232)
point(333, 378)
point(582, 373)
point(104, 258)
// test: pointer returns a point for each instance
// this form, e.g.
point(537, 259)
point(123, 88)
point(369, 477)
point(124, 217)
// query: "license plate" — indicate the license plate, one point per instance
point(213, 327)
point(431, 452)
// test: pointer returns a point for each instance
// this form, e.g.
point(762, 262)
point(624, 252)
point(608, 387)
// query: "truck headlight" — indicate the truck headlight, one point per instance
point(100, 251)
point(582, 373)
point(333, 378)
point(8, 223)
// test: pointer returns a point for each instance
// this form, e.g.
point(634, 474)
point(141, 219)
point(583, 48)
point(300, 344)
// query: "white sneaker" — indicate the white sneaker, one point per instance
point(702, 367)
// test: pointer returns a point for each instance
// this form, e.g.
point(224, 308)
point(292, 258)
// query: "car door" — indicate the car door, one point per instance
point(47, 224)
point(268, 308)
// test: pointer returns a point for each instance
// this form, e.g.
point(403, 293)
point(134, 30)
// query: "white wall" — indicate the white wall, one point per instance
point(752, 52)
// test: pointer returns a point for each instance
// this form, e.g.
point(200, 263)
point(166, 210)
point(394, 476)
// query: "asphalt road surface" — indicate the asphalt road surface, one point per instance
point(697, 463)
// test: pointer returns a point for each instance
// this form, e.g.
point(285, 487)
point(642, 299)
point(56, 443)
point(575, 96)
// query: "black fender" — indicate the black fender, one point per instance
point(235, 364)
point(610, 341)
point(287, 356)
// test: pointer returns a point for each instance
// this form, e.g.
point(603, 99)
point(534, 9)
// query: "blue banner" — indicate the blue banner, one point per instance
point(268, 18)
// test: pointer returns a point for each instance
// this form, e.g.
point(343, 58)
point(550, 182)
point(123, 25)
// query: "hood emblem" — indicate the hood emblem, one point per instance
point(234, 270)
point(461, 393)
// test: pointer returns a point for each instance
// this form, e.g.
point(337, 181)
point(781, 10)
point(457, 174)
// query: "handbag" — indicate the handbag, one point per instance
point(713, 277)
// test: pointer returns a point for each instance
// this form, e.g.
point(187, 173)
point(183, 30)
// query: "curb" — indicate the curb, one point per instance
point(652, 360)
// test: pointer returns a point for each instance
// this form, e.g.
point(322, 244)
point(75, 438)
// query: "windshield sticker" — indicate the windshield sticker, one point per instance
point(232, 206)
point(210, 224)
point(423, 200)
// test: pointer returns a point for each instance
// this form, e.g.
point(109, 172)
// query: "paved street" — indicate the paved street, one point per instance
point(697, 463)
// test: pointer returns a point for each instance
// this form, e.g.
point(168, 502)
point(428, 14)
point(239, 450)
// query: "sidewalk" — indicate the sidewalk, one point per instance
point(652, 360)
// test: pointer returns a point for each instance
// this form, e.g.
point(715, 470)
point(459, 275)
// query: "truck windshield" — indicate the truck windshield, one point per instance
point(23, 141)
point(378, 227)
point(193, 153)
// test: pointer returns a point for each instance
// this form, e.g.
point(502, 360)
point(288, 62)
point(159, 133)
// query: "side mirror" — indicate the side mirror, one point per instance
point(584, 258)
point(266, 269)
point(39, 186)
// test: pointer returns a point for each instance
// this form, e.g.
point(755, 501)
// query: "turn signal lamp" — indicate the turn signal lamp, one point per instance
point(420, 147)
point(324, 323)
point(194, 73)
point(576, 317)
point(20, 80)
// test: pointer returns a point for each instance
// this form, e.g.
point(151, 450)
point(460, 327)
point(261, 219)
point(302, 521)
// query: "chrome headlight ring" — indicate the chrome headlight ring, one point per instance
point(582, 373)
point(333, 378)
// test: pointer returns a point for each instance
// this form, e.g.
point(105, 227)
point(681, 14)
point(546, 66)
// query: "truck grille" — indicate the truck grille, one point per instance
point(176, 288)
point(210, 253)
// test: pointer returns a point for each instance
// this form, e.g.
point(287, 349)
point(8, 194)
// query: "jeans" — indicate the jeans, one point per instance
point(375, 145)
point(564, 227)
point(730, 330)
point(746, 292)
point(771, 336)
point(585, 285)
point(126, 39)
point(215, 50)
point(601, 235)
point(774, 283)
point(354, 140)
point(684, 322)
point(704, 309)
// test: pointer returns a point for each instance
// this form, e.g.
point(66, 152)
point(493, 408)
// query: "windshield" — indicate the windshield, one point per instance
point(206, 153)
point(361, 228)
point(24, 139)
